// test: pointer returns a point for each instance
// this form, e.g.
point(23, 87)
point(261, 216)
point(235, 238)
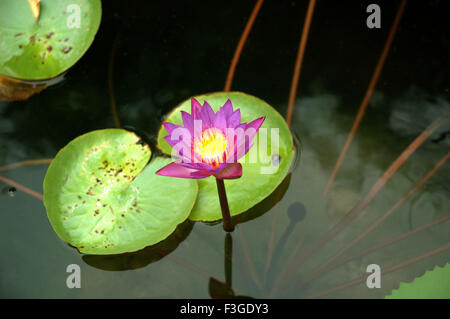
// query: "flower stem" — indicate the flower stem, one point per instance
point(227, 224)
point(228, 259)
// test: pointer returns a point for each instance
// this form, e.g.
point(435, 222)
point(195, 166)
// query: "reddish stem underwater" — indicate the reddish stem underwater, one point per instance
point(395, 166)
point(326, 265)
point(385, 271)
point(21, 187)
point(298, 62)
point(237, 53)
point(366, 99)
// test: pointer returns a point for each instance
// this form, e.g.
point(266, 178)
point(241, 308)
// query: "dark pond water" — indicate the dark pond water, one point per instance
point(165, 52)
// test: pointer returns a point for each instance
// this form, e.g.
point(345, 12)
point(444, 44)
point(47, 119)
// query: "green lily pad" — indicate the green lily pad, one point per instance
point(245, 192)
point(37, 50)
point(102, 198)
point(434, 284)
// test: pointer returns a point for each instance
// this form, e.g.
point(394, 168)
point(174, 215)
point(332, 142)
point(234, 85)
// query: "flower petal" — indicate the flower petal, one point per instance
point(256, 124)
point(220, 121)
point(180, 171)
point(188, 121)
point(230, 172)
point(196, 108)
point(243, 150)
point(171, 142)
point(179, 144)
point(242, 140)
point(228, 108)
point(198, 166)
point(207, 115)
point(235, 119)
point(200, 174)
point(170, 127)
point(250, 131)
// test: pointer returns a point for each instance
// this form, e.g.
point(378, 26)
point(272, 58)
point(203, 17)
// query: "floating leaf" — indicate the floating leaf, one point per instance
point(261, 177)
point(434, 284)
point(36, 50)
point(102, 199)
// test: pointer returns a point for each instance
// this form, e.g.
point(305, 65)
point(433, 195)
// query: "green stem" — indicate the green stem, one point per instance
point(227, 224)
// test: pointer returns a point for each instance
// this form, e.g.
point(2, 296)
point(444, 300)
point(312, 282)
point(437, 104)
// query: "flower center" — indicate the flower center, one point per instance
point(211, 146)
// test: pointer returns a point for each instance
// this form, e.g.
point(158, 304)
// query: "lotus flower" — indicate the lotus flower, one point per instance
point(208, 143)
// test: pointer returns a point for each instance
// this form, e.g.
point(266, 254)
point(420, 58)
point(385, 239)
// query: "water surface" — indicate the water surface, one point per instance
point(164, 54)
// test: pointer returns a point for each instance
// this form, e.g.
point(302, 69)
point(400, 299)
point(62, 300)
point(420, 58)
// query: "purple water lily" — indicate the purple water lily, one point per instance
point(208, 143)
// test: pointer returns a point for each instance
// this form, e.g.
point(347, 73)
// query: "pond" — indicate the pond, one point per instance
point(148, 57)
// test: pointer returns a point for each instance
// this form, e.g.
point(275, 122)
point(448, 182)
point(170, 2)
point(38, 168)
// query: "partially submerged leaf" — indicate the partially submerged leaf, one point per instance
point(434, 284)
point(44, 49)
point(102, 198)
point(17, 90)
point(261, 176)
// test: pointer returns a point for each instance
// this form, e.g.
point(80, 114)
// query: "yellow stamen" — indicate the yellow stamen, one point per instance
point(211, 146)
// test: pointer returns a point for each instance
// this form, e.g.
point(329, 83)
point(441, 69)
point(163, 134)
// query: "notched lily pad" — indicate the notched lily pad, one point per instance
point(434, 284)
point(36, 50)
point(102, 198)
point(261, 177)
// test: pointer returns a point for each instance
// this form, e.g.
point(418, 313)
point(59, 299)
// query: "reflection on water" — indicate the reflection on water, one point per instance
point(411, 113)
point(263, 257)
point(269, 238)
point(224, 290)
point(141, 258)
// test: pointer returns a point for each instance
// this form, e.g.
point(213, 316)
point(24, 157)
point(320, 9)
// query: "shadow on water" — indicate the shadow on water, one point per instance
point(266, 205)
point(297, 213)
point(144, 257)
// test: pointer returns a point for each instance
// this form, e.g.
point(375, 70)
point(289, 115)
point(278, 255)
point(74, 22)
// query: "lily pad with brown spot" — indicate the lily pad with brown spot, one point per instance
point(102, 198)
point(42, 49)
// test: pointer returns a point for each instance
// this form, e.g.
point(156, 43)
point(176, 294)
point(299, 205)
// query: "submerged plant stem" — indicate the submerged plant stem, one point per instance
point(367, 97)
point(227, 223)
point(299, 60)
point(378, 221)
point(21, 187)
point(385, 271)
point(241, 44)
point(26, 163)
point(359, 208)
point(228, 260)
